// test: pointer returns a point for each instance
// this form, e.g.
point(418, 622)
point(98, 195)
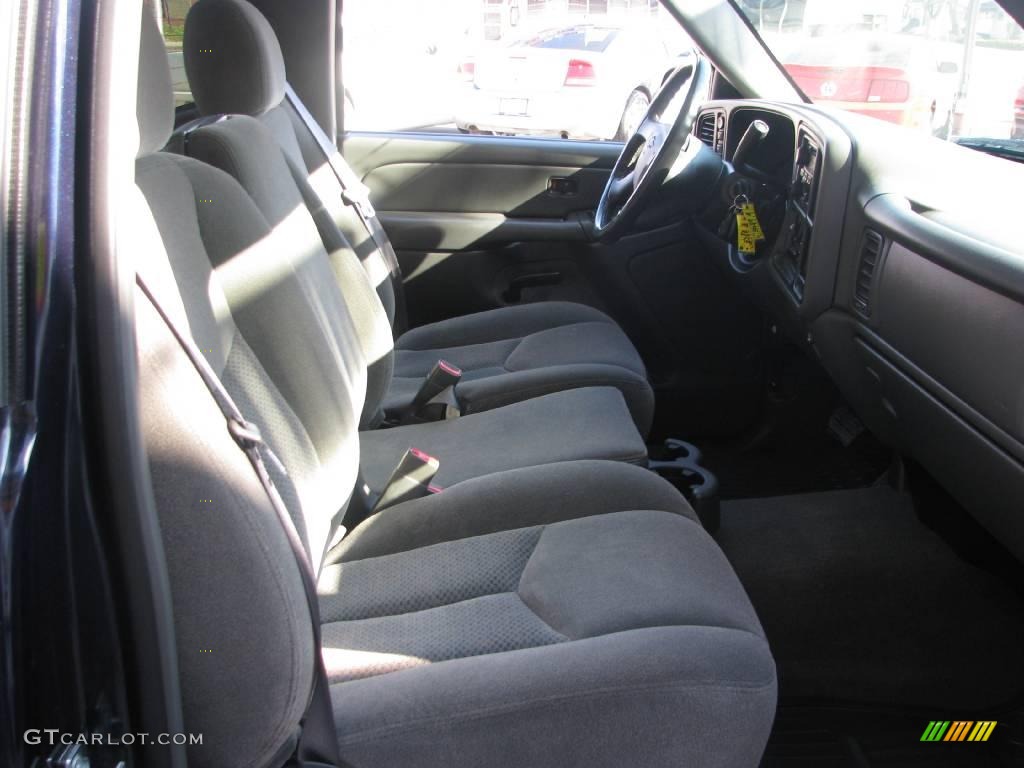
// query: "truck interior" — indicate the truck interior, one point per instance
point(435, 447)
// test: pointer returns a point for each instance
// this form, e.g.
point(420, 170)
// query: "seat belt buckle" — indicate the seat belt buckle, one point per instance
point(410, 480)
point(436, 393)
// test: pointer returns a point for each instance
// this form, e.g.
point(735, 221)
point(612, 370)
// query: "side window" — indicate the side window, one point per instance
point(573, 69)
point(171, 14)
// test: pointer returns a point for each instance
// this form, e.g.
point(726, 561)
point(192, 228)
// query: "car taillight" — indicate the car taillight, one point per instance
point(889, 91)
point(467, 70)
point(580, 72)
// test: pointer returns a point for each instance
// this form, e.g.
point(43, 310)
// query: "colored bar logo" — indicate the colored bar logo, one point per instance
point(959, 730)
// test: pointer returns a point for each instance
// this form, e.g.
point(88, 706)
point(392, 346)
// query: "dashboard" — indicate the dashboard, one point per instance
point(892, 259)
point(796, 159)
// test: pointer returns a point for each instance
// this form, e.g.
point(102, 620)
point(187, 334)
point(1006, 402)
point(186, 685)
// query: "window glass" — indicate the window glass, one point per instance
point(951, 68)
point(580, 69)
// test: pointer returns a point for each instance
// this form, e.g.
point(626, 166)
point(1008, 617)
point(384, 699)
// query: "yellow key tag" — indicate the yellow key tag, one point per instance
point(747, 242)
point(748, 212)
point(749, 229)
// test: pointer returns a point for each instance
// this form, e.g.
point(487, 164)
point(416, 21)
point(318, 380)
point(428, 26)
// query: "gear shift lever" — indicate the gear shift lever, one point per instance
point(756, 132)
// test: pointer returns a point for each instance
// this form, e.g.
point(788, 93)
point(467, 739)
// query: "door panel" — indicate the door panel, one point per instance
point(448, 231)
point(477, 225)
point(518, 190)
point(524, 178)
point(482, 222)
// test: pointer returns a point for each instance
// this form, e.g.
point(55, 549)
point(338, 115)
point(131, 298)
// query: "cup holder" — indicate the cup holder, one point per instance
point(672, 451)
point(679, 462)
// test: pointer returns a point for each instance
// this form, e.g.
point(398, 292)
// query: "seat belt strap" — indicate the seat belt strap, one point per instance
point(178, 143)
point(317, 744)
point(353, 191)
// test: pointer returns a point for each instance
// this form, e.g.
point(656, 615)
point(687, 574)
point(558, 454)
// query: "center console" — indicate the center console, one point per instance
point(791, 255)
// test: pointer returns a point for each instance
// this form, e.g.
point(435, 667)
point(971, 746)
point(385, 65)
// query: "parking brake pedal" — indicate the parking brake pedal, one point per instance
point(845, 426)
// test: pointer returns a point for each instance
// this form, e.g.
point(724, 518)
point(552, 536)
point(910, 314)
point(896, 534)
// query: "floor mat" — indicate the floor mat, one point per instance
point(863, 603)
point(791, 463)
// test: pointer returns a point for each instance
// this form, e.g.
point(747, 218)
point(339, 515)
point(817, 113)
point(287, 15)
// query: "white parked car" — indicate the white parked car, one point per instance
point(586, 81)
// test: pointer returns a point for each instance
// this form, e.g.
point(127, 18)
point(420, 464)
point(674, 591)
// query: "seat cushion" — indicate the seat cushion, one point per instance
point(618, 638)
point(515, 353)
point(544, 494)
point(591, 423)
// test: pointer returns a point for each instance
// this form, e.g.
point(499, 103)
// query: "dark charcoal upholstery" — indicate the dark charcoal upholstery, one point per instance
point(512, 354)
point(621, 638)
point(591, 423)
point(228, 561)
point(235, 66)
point(234, 41)
point(570, 614)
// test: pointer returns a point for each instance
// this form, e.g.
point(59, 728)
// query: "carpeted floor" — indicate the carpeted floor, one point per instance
point(791, 463)
point(863, 603)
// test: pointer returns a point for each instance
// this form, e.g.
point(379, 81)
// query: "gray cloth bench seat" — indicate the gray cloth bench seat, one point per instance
point(568, 614)
point(235, 67)
point(591, 423)
point(617, 638)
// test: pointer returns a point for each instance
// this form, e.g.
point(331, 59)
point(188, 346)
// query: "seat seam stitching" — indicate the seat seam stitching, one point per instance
point(519, 585)
point(417, 610)
point(522, 336)
point(458, 346)
point(565, 637)
point(555, 700)
point(545, 526)
point(639, 387)
point(447, 541)
point(456, 602)
point(504, 363)
point(537, 333)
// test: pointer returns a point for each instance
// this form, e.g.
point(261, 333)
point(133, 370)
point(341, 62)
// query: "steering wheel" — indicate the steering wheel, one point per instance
point(651, 152)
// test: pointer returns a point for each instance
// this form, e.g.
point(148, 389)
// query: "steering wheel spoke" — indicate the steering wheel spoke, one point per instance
point(620, 189)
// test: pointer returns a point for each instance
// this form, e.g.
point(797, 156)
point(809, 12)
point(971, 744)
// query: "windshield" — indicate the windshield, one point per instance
point(951, 68)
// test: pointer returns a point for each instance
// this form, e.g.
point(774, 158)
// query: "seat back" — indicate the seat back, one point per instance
point(209, 255)
point(235, 67)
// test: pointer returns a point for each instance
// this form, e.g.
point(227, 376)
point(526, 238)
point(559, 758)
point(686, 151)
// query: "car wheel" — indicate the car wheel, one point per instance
point(636, 107)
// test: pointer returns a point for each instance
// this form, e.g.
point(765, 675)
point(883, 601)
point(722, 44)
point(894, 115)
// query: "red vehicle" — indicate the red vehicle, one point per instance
point(896, 78)
point(1018, 115)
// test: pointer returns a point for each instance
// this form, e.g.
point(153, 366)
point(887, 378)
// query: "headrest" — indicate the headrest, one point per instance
point(232, 58)
point(154, 104)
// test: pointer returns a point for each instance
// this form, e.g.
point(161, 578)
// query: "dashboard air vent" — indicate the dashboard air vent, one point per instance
point(710, 129)
point(706, 128)
point(870, 255)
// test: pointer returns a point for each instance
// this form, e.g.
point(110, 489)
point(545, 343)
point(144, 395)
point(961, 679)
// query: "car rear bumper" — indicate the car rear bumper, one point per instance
point(913, 114)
